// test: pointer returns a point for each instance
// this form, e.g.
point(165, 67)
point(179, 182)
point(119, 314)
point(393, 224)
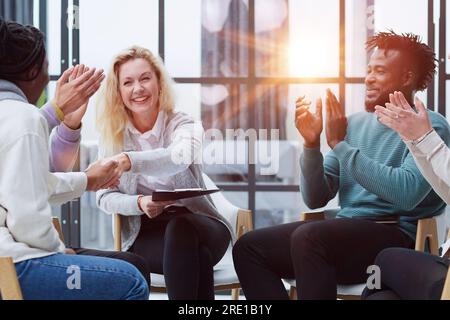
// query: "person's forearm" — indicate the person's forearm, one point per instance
point(166, 162)
point(316, 187)
point(65, 145)
point(433, 159)
point(113, 201)
point(49, 113)
point(66, 187)
point(65, 142)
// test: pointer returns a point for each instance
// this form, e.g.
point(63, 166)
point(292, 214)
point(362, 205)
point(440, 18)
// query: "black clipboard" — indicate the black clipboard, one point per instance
point(179, 194)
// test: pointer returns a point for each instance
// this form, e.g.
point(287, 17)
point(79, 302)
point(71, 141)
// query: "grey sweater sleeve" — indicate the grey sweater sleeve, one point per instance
point(319, 179)
point(113, 201)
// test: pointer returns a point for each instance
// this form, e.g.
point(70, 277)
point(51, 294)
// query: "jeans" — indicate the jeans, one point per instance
point(73, 277)
point(129, 257)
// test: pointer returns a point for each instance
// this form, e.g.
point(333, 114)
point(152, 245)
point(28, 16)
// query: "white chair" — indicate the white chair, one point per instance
point(427, 232)
point(225, 277)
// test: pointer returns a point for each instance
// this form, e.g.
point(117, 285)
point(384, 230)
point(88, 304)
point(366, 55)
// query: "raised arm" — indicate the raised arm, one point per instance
point(64, 141)
point(430, 152)
point(65, 113)
point(433, 159)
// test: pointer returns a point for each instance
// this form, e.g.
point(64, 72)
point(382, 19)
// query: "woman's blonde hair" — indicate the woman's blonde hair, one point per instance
point(112, 114)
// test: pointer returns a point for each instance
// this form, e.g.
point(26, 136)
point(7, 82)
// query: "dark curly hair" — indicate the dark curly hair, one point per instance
point(418, 55)
point(21, 49)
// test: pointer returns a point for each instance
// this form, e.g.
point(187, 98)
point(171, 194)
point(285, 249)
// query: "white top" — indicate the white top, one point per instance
point(433, 160)
point(154, 140)
point(27, 187)
point(150, 140)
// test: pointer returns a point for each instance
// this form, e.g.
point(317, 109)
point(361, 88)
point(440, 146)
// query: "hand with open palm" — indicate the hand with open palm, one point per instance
point(308, 124)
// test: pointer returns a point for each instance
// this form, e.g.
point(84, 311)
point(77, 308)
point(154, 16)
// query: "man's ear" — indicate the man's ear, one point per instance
point(408, 79)
point(33, 73)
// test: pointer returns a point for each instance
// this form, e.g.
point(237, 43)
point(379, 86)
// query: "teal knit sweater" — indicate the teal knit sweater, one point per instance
point(374, 173)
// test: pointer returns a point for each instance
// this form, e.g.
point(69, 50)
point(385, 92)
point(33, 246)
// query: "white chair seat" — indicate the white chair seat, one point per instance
point(351, 290)
point(342, 290)
point(226, 275)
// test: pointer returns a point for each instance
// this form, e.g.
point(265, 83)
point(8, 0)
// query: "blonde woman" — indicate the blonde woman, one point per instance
point(157, 148)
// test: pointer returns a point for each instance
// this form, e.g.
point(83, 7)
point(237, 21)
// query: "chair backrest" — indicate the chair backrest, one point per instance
point(225, 207)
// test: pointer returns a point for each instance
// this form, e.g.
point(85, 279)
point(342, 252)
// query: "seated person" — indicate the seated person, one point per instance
point(160, 148)
point(433, 159)
point(65, 142)
point(27, 187)
point(374, 173)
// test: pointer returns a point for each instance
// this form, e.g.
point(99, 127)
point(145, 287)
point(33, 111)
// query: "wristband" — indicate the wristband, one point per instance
point(417, 141)
point(139, 203)
point(59, 112)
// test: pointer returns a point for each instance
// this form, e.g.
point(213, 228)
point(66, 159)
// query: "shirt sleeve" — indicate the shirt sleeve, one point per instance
point(49, 113)
point(64, 142)
point(64, 148)
point(64, 187)
point(433, 160)
point(29, 217)
point(185, 149)
point(319, 181)
point(113, 201)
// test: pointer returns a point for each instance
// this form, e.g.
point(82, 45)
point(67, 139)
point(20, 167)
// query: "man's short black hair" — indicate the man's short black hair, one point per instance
point(418, 55)
point(21, 49)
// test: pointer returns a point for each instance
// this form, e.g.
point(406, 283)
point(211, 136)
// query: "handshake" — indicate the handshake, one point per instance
point(105, 174)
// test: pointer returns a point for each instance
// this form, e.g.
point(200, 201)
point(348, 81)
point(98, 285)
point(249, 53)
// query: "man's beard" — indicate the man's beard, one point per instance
point(380, 101)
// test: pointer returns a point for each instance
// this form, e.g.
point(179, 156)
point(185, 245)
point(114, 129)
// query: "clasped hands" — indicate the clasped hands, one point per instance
point(402, 118)
point(311, 125)
point(106, 173)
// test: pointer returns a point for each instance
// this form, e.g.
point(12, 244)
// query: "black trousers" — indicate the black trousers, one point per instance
point(134, 259)
point(409, 275)
point(319, 255)
point(184, 247)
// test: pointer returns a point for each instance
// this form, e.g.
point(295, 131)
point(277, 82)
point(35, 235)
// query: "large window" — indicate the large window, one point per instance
point(241, 64)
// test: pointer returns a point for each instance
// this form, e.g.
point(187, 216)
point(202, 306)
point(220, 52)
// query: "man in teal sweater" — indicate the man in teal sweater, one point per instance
point(374, 173)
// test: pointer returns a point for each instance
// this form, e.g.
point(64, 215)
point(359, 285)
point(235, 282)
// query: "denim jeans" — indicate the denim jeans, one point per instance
point(73, 277)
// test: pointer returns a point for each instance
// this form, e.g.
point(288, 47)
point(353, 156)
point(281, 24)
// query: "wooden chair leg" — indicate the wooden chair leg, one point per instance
point(427, 230)
point(117, 232)
point(446, 292)
point(293, 293)
point(235, 294)
point(9, 285)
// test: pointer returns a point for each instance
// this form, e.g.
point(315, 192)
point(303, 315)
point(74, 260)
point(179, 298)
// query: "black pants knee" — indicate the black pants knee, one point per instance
point(319, 255)
point(184, 247)
point(409, 275)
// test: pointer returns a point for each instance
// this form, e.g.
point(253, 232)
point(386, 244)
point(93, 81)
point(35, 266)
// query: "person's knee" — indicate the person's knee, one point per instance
point(132, 282)
point(139, 262)
point(241, 248)
point(306, 237)
point(182, 225)
point(387, 256)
